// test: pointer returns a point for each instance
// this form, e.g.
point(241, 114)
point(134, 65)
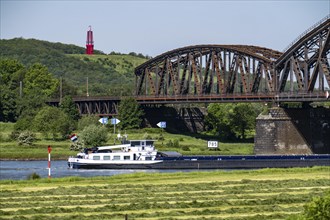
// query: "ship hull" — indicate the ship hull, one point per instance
point(212, 162)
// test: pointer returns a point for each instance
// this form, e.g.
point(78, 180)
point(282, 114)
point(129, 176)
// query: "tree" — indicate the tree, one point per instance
point(217, 120)
point(69, 107)
point(9, 88)
point(242, 118)
point(93, 136)
point(231, 121)
point(30, 104)
point(52, 120)
point(130, 114)
point(38, 86)
point(39, 78)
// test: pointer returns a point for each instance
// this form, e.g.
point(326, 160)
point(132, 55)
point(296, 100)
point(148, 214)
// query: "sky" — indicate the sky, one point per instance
point(154, 27)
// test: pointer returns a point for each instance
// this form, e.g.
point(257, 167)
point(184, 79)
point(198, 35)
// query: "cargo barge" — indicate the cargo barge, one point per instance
point(141, 154)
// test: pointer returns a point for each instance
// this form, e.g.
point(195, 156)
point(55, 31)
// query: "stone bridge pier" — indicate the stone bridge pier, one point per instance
point(293, 131)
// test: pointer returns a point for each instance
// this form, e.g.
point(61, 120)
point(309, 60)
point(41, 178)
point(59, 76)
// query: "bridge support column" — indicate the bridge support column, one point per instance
point(293, 131)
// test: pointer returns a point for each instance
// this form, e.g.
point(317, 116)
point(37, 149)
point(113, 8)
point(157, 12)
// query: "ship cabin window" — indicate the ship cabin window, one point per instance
point(116, 157)
point(135, 143)
point(106, 157)
point(96, 157)
point(148, 158)
point(149, 143)
point(127, 157)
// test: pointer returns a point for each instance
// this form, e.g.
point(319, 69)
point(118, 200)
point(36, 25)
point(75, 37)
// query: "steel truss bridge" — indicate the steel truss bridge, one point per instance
point(238, 73)
point(231, 73)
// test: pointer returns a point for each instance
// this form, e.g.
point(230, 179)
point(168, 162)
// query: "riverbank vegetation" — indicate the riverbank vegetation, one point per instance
point(185, 144)
point(242, 194)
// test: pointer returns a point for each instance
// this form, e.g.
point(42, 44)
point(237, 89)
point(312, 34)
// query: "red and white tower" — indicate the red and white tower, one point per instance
point(90, 42)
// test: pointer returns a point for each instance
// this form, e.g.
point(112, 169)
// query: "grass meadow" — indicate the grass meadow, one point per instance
point(241, 194)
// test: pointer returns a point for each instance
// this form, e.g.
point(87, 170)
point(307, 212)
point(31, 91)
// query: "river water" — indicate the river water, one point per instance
point(20, 170)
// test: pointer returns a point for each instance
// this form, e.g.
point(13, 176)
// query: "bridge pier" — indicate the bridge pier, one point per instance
point(293, 131)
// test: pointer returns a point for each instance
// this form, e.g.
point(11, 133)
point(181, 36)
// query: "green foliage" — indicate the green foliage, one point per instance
point(26, 138)
point(24, 122)
point(9, 88)
point(76, 146)
point(130, 114)
point(160, 137)
point(217, 120)
point(69, 62)
point(14, 135)
point(39, 78)
point(93, 136)
point(69, 107)
point(33, 176)
point(231, 121)
point(242, 118)
point(2, 138)
point(88, 120)
point(29, 105)
point(175, 144)
point(318, 208)
point(52, 120)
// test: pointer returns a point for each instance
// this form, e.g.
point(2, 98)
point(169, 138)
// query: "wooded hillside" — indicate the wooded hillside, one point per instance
point(107, 74)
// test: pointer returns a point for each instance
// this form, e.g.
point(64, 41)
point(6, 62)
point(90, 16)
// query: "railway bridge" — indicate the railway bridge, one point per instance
point(231, 73)
point(243, 73)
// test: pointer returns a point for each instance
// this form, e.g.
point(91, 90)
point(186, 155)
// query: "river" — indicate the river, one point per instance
point(20, 170)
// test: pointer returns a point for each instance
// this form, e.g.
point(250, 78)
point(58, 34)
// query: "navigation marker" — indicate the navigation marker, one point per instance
point(162, 124)
point(114, 121)
point(104, 121)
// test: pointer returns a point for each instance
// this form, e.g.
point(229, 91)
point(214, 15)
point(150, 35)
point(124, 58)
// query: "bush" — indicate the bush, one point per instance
point(76, 146)
point(160, 137)
point(88, 120)
point(185, 148)
point(174, 144)
point(33, 176)
point(24, 123)
point(14, 135)
point(153, 130)
point(319, 208)
point(26, 138)
point(94, 136)
point(2, 138)
point(52, 120)
point(147, 136)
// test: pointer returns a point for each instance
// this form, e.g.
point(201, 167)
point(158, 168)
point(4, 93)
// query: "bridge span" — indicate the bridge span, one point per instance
point(241, 72)
point(230, 73)
point(108, 105)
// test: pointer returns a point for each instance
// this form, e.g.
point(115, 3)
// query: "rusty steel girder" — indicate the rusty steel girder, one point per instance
point(306, 61)
point(208, 69)
point(222, 71)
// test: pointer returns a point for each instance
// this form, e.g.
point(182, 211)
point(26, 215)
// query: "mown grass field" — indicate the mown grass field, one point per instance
point(188, 145)
point(258, 194)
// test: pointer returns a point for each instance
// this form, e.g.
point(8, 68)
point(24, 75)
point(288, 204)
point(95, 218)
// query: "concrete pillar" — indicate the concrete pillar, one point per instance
point(293, 131)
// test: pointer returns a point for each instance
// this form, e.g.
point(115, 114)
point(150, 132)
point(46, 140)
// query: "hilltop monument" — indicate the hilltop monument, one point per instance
point(90, 42)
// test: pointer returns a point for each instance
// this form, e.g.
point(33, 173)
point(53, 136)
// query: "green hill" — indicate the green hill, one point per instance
point(107, 74)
